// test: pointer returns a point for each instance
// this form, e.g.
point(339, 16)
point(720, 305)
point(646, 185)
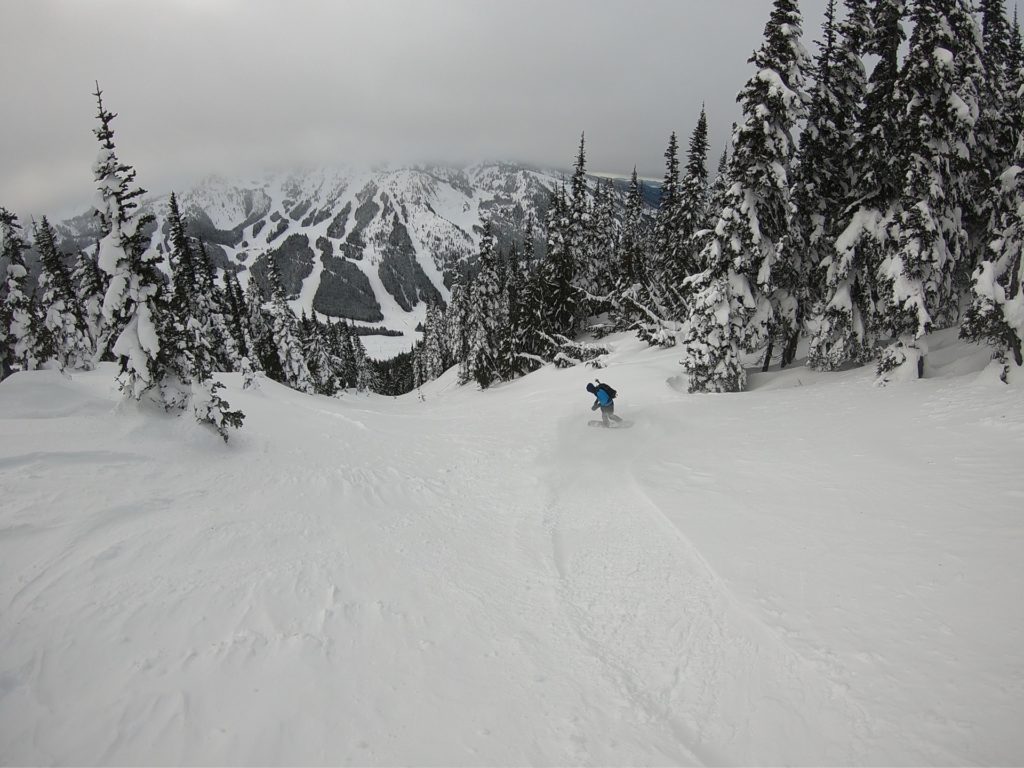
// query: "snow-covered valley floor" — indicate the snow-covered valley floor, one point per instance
point(814, 572)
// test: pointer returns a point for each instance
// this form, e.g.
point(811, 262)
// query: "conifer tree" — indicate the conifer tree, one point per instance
point(639, 304)
point(434, 351)
point(986, 131)
point(820, 185)
point(459, 329)
point(212, 305)
point(972, 167)
point(837, 282)
point(348, 374)
point(207, 404)
point(533, 329)
point(364, 372)
point(996, 314)
point(90, 288)
point(851, 323)
point(743, 255)
point(487, 316)
point(994, 133)
point(197, 295)
point(529, 246)
point(22, 346)
point(134, 307)
point(918, 274)
point(515, 334)
point(182, 260)
point(716, 194)
point(158, 356)
point(319, 359)
point(881, 166)
point(578, 231)
point(63, 323)
point(632, 268)
point(197, 334)
point(693, 205)
point(561, 297)
point(238, 313)
point(600, 279)
point(419, 376)
point(667, 226)
point(1015, 78)
point(261, 333)
point(285, 332)
point(716, 202)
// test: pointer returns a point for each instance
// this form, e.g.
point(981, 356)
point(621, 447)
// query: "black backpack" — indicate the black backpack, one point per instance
point(608, 390)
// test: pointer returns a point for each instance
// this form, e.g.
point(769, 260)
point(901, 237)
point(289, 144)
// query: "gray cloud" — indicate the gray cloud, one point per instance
point(229, 85)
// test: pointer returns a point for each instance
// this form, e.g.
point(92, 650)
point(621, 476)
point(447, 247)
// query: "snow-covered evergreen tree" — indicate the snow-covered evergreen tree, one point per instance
point(488, 316)
point(529, 245)
point(160, 356)
point(63, 322)
point(918, 274)
point(204, 338)
point(692, 213)
point(726, 314)
point(181, 260)
point(364, 372)
point(1015, 77)
point(533, 328)
point(852, 323)
point(994, 133)
point(601, 268)
point(838, 283)
point(204, 397)
point(996, 314)
point(433, 351)
point(348, 373)
point(636, 304)
point(284, 331)
point(632, 266)
point(716, 332)
point(90, 288)
point(561, 296)
point(212, 306)
point(458, 326)
point(22, 343)
point(238, 313)
point(578, 234)
point(320, 360)
point(666, 244)
point(972, 168)
point(134, 307)
point(260, 330)
point(716, 203)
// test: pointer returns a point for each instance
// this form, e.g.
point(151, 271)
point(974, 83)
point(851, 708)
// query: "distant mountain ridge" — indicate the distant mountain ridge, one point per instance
point(373, 246)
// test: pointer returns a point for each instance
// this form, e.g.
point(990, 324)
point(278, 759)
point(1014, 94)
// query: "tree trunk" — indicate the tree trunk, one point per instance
point(789, 352)
point(768, 353)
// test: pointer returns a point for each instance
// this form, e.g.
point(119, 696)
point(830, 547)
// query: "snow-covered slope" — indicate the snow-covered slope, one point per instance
point(813, 572)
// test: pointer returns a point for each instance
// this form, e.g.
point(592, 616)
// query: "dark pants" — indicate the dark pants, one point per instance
point(608, 412)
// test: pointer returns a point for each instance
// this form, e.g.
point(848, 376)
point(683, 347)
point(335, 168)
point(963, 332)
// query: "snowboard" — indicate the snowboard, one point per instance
point(624, 424)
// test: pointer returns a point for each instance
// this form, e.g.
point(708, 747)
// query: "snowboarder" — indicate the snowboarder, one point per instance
point(605, 401)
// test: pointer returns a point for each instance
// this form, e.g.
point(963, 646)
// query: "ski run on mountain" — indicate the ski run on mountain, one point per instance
point(324, 467)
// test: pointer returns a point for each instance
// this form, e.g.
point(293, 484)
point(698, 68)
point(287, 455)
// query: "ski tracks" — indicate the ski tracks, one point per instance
point(710, 683)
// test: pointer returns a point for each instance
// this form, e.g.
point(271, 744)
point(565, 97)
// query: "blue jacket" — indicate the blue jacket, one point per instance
point(602, 398)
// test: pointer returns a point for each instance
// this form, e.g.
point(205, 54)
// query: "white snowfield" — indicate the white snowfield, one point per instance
point(816, 572)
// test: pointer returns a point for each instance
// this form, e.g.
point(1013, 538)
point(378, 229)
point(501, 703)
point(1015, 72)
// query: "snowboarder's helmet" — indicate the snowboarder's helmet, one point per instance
point(591, 388)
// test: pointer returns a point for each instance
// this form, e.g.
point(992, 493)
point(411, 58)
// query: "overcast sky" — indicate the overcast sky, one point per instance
point(227, 86)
